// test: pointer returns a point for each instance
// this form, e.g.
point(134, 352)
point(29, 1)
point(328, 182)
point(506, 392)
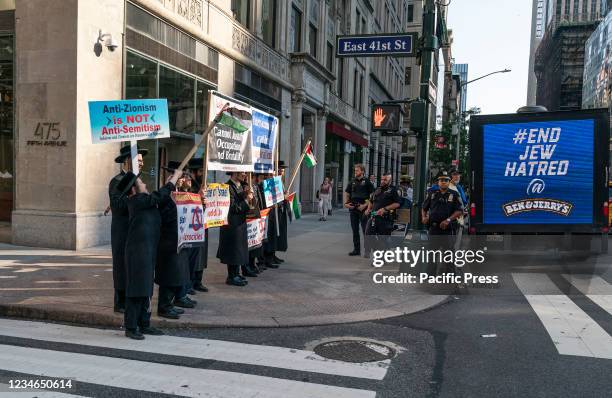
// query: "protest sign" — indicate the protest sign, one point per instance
point(265, 130)
point(128, 120)
point(217, 204)
point(190, 219)
point(257, 230)
point(273, 191)
point(230, 145)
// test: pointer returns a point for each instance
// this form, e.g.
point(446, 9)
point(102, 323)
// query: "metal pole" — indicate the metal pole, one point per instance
point(430, 45)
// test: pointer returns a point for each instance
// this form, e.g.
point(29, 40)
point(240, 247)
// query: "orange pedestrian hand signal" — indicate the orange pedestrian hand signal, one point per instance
point(386, 117)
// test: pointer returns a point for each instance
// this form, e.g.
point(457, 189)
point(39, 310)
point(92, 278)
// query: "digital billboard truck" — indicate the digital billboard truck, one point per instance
point(541, 173)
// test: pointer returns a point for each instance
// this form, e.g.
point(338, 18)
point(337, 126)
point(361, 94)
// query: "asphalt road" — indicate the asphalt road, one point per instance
point(544, 331)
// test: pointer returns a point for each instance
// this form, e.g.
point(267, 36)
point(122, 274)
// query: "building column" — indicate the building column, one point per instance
point(320, 146)
point(295, 141)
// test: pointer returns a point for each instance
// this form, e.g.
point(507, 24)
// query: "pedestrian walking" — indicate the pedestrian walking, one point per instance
point(233, 240)
point(141, 250)
point(325, 193)
point(356, 195)
point(119, 224)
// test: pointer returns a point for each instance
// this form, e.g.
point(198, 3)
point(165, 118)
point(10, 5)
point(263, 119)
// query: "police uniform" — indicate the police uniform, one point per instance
point(359, 190)
point(381, 198)
point(442, 205)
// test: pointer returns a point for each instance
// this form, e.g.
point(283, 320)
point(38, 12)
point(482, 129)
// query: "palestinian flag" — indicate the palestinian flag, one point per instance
point(236, 119)
point(294, 207)
point(309, 157)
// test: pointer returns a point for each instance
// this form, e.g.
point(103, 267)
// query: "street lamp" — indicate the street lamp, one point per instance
point(462, 114)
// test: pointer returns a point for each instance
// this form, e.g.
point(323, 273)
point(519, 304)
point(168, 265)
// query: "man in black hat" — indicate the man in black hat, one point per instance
point(269, 246)
point(233, 239)
point(172, 268)
point(381, 211)
point(441, 208)
point(282, 243)
point(119, 223)
point(198, 259)
point(357, 194)
point(141, 250)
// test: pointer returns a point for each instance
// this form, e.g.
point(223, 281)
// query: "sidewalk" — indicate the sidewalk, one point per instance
point(318, 284)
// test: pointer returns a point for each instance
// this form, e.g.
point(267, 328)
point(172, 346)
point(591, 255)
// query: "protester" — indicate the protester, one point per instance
point(282, 243)
point(141, 250)
point(119, 224)
point(198, 259)
point(325, 192)
point(254, 213)
point(381, 210)
point(172, 268)
point(261, 200)
point(356, 196)
point(233, 241)
point(269, 247)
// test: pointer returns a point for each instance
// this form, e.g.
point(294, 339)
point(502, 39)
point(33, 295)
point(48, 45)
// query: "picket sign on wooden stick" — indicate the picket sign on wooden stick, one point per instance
point(204, 136)
point(297, 167)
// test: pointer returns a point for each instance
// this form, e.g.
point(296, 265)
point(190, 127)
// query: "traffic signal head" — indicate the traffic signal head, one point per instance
point(386, 117)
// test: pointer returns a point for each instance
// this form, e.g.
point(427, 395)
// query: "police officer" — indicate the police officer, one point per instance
point(441, 208)
point(381, 210)
point(120, 223)
point(356, 195)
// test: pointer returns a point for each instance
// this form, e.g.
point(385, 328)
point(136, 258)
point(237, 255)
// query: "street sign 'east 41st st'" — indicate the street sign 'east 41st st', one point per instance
point(400, 45)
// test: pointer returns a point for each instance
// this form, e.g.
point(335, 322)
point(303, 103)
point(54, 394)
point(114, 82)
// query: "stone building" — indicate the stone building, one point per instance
point(276, 55)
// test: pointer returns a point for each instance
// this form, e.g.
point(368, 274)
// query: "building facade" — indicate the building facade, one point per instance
point(276, 55)
point(559, 58)
point(462, 70)
point(538, 25)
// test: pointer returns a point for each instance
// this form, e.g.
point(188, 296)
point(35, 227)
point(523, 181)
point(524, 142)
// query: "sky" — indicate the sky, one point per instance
point(492, 35)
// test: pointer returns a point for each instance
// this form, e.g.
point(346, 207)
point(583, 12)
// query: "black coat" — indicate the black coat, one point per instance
point(202, 258)
point(119, 228)
point(269, 245)
point(233, 244)
point(258, 252)
point(171, 268)
point(142, 240)
point(281, 241)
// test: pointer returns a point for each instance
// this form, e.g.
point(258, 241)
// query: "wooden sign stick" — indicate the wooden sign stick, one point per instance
point(297, 168)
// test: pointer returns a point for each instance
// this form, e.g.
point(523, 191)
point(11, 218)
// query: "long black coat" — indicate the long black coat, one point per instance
point(233, 244)
point(281, 241)
point(171, 268)
point(142, 240)
point(258, 252)
point(119, 228)
point(269, 245)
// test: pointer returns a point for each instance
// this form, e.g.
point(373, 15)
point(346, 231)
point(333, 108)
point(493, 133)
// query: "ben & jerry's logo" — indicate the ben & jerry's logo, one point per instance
point(549, 205)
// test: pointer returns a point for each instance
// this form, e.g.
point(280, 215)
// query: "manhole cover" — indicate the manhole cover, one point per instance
point(354, 351)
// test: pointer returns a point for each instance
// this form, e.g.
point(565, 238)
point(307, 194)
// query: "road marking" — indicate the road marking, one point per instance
point(572, 331)
point(249, 354)
point(159, 378)
point(595, 288)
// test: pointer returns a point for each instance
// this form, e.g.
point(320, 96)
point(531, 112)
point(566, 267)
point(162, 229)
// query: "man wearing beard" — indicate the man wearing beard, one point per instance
point(381, 211)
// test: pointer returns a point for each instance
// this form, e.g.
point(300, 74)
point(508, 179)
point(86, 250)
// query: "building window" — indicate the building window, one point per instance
point(141, 77)
point(312, 38)
point(408, 75)
point(330, 57)
point(357, 21)
point(242, 12)
point(268, 22)
point(340, 81)
point(295, 34)
point(361, 90)
point(356, 89)
point(179, 90)
point(410, 12)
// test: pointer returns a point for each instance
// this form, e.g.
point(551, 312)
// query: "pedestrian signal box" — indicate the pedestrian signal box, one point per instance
point(386, 117)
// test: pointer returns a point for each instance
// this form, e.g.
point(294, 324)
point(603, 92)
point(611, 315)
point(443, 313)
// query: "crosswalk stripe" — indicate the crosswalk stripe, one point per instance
point(595, 288)
point(572, 331)
point(249, 354)
point(160, 378)
point(6, 392)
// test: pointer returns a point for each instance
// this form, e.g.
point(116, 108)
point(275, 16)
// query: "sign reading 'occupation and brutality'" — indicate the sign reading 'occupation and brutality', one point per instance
point(128, 120)
point(538, 172)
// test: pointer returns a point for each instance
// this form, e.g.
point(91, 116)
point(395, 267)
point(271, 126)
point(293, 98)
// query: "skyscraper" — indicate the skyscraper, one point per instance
point(538, 26)
point(462, 71)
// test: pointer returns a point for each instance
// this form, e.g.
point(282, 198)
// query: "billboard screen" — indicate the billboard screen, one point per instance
point(538, 172)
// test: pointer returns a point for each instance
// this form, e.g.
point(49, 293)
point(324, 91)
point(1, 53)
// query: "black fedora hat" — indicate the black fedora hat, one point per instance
point(282, 165)
point(195, 164)
point(126, 152)
point(127, 182)
point(172, 165)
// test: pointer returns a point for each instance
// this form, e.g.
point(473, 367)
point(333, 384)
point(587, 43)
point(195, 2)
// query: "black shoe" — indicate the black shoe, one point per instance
point(249, 273)
point(192, 301)
point(278, 260)
point(152, 331)
point(354, 253)
point(235, 281)
point(178, 310)
point(184, 303)
point(172, 313)
point(191, 292)
point(134, 334)
point(200, 288)
point(120, 310)
point(272, 265)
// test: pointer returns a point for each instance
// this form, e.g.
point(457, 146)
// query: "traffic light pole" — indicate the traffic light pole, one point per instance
point(430, 45)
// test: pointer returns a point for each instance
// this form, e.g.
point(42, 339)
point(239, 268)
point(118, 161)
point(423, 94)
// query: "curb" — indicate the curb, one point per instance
point(83, 318)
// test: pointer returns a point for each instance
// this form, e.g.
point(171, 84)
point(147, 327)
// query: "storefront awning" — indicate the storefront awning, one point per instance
point(348, 135)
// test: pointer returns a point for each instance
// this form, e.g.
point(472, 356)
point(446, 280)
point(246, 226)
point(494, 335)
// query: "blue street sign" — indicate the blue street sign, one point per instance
point(399, 45)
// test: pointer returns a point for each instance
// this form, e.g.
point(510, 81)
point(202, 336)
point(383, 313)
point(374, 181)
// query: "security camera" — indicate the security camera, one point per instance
point(111, 44)
point(287, 114)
